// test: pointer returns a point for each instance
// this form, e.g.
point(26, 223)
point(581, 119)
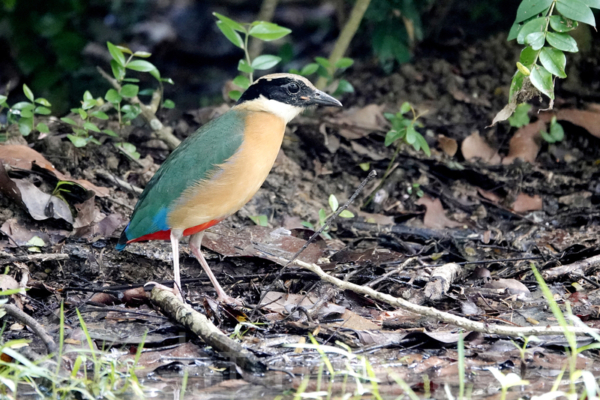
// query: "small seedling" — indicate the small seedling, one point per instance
point(89, 110)
point(23, 113)
point(415, 189)
point(333, 205)
point(322, 66)
point(266, 31)
point(557, 133)
point(260, 220)
point(404, 128)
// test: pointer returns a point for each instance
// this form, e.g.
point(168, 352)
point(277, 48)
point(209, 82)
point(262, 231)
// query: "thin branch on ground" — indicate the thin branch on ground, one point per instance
point(441, 316)
point(162, 132)
point(35, 258)
point(38, 329)
point(119, 182)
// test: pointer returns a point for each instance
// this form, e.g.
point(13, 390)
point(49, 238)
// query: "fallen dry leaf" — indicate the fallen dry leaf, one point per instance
point(588, 120)
point(525, 143)
point(491, 196)
point(365, 151)
point(525, 203)
point(358, 122)
point(448, 145)
point(435, 216)
point(512, 285)
point(475, 147)
point(23, 157)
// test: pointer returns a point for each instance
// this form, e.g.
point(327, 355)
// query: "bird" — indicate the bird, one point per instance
point(217, 169)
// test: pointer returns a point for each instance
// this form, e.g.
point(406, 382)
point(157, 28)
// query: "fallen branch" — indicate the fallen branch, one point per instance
point(38, 329)
point(34, 257)
point(576, 269)
point(201, 326)
point(119, 182)
point(162, 132)
point(441, 316)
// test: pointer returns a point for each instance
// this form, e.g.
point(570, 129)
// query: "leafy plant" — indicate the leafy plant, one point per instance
point(323, 215)
point(557, 133)
point(404, 128)
point(520, 117)
point(543, 26)
point(23, 113)
point(266, 31)
point(415, 189)
point(90, 108)
point(507, 381)
point(322, 66)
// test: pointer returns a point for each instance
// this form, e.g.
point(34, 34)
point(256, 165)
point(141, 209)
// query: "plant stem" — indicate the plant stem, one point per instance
point(343, 41)
point(251, 74)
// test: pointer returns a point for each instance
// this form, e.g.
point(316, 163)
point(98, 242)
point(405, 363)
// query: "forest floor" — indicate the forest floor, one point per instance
point(457, 231)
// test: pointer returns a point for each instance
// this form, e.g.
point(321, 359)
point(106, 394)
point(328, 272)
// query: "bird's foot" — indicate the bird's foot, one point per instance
point(175, 290)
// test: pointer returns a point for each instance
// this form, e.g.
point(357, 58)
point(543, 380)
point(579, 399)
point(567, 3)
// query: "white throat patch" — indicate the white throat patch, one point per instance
point(284, 111)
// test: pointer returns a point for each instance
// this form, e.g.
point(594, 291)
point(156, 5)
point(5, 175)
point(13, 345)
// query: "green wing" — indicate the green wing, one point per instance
point(193, 160)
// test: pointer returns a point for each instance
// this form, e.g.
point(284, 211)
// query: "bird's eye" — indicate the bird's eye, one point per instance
point(293, 88)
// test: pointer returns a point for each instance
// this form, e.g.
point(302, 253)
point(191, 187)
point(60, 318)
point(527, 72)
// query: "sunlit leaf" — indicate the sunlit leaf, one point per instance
point(576, 10)
point(140, 65)
point(542, 80)
point(231, 34)
point(241, 81)
point(265, 61)
point(231, 23)
point(562, 41)
point(268, 31)
point(562, 24)
point(333, 203)
point(28, 93)
point(116, 54)
point(554, 61)
point(531, 8)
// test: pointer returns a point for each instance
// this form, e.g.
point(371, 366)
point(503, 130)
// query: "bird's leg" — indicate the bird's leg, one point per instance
point(176, 234)
point(195, 245)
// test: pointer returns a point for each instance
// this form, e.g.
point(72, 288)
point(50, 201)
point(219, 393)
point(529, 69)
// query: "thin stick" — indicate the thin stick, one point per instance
point(315, 235)
point(441, 316)
point(38, 329)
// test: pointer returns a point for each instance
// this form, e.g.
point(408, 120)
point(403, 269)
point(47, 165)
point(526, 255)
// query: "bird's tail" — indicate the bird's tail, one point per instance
point(122, 240)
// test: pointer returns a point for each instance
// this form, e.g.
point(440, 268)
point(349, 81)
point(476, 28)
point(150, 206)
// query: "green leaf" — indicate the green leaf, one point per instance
point(521, 116)
point(260, 220)
point(156, 74)
point(576, 10)
point(547, 137)
point(365, 166)
point(87, 95)
point(322, 216)
point(82, 113)
point(168, 80)
point(112, 96)
point(405, 107)
point(117, 70)
point(333, 203)
point(87, 104)
point(323, 62)
point(344, 87)
point(142, 54)
point(528, 56)
point(4, 98)
point(542, 80)
point(234, 94)
point(230, 34)
point(394, 135)
point(129, 149)
point(25, 126)
point(536, 40)
point(268, 31)
point(515, 85)
point(346, 214)
point(533, 26)
point(554, 61)
point(26, 113)
point(309, 69)
point(514, 31)
point(94, 140)
point(411, 135)
point(308, 225)
point(423, 145)
point(77, 140)
point(168, 103)
point(91, 126)
point(241, 81)
point(592, 3)
point(99, 115)
point(28, 93)
point(42, 128)
point(124, 49)
point(23, 105)
point(110, 132)
point(344, 62)
point(131, 111)
point(42, 110)
point(129, 91)
point(39, 100)
point(140, 65)
point(116, 53)
point(229, 22)
point(556, 130)
point(562, 24)
point(36, 241)
point(68, 121)
point(265, 61)
point(562, 41)
point(243, 66)
point(531, 8)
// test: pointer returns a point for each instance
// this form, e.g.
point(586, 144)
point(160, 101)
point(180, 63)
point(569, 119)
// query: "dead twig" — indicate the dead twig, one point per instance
point(442, 316)
point(579, 268)
point(34, 258)
point(38, 329)
point(119, 182)
point(201, 326)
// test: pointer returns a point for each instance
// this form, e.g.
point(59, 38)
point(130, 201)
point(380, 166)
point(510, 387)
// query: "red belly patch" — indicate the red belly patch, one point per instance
point(166, 235)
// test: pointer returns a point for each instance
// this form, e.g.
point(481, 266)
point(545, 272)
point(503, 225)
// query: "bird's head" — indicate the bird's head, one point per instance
point(285, 95)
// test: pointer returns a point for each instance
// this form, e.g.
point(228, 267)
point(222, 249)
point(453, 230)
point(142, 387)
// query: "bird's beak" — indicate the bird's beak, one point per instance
point(323, 99)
